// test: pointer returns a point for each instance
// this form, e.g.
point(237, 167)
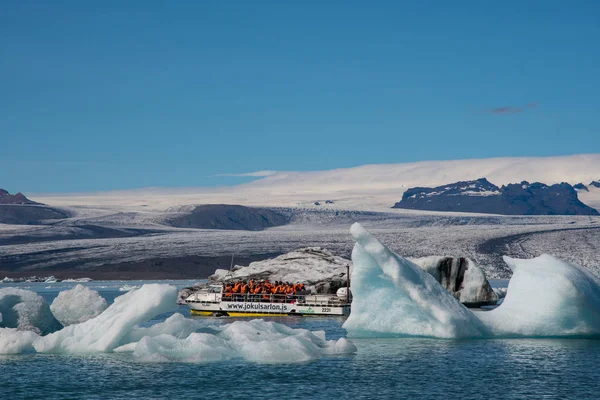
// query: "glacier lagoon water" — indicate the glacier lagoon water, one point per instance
point(382, 368)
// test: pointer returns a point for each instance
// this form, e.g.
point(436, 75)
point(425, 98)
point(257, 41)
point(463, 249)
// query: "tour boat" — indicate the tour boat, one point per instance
point(212, 301)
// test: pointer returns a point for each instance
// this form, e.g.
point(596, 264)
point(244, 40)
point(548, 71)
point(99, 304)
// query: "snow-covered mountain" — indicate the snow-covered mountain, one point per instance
point(367, 187)
point(133, 233)
point(482, 196)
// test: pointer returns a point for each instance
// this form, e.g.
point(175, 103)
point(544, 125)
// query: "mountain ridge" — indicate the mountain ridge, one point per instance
point(482, 196)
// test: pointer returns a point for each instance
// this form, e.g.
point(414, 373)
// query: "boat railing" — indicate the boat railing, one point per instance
point(308, 299)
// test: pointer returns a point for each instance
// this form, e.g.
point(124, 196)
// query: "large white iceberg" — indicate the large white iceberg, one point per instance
point(77, 305)
point(546, 297)
point(26, 310)
point(104, 332)
point(257, 341)
point(395, 297)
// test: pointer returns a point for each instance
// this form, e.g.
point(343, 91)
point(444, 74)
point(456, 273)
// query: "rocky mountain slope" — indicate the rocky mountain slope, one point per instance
point(224, 216)
point(482, 196)
point(17, 209)
point(19, 198)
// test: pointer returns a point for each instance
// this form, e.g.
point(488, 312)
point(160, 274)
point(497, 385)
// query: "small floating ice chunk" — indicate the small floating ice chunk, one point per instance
point(395, 297)
point(256, 341)
point(26, 310)
point(104, 332)
point(77, 305)
point(176, 325)
point(198, 347)
point(127, 288)
point(14, 341)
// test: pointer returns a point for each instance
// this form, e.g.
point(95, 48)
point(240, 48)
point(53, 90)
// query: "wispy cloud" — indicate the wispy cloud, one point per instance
point(256, 174)
point(511, 109)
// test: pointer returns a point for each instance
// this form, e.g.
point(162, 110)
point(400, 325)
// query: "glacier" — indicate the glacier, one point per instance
point(546, 297)
point(77, 305)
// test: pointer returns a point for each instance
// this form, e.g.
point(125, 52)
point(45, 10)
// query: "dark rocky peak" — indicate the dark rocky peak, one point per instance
point(476, 187)
point(19, 198)
point(595, 184)
point(481, 196)
point(580, 186)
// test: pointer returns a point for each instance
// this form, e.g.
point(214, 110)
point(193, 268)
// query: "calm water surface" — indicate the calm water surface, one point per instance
point(382, 368)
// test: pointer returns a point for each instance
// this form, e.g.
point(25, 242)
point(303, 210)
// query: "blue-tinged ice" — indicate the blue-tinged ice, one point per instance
point(26, 311)
point(395, 297)
point(546, 297)
point(104, 332)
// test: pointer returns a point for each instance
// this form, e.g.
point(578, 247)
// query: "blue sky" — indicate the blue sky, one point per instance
point(116, 95)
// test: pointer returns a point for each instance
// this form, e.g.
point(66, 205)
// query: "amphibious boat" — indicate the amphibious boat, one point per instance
point(211, 300)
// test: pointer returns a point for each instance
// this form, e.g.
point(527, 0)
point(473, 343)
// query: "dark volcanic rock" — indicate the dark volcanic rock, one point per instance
point(223, 216)
point(29, 214)
point(481, 196)
point(580, 186)
point(19, 198)
point(462, 278)
point(595, 184)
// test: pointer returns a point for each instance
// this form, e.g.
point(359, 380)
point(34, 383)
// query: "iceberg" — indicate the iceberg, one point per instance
point(26, 311)
point(77, 305)
point(255, 341)
point(546, 297)
point(395, 297)
point(14, 341)
point(104, 332)
point(179, 339)
point(176, 325)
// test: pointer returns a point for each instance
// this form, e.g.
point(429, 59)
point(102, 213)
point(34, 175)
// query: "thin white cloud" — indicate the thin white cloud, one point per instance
point(256, 174)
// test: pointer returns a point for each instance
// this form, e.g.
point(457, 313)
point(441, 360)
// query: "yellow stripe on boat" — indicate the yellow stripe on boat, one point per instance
point(243, 314)
point(205, 313)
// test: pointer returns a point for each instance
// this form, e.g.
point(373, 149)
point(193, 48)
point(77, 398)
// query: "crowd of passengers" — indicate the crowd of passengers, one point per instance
point(262, 290)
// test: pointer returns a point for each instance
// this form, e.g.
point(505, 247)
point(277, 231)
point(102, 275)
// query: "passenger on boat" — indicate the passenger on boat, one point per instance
point(262, 291)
